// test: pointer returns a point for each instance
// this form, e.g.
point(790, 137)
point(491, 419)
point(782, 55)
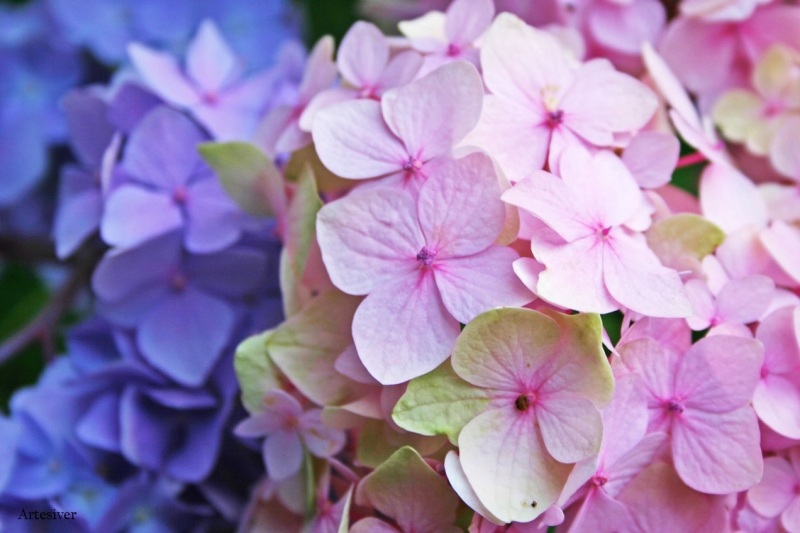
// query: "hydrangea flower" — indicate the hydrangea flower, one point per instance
point(522, 403)
point(776, 494)
point(180, 304)
point(593, 259)
point(288, 431)
point(211, 88)
point(169, 188)
point(542, 101)
point(701, 398)
point(402, 133)
point(425, 265)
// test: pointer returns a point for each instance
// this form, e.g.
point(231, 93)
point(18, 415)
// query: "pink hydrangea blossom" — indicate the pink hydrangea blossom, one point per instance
point(542, 101)
point(594, 257)
point(701, 398)
point(402, 133)
point(777, 493)
point(288, 431)
point(425, 265)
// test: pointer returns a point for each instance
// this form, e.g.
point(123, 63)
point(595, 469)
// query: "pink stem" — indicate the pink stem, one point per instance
point(691, 159)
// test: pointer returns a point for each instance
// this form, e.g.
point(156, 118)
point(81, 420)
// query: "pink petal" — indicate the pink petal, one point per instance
point(572, 428)
point(372, 525)
point(421, 335)
point(349, 364)
point(651, 157)
point(573, 277)
point(514, 134)
point(363, 55)
point(434, 113)
point(501, 444)
point(283, 454)
point(401, 70)
point(703, 303)
point(528, 270)
point(519, 61)
point(783, 242)
point(790, 519)
point(730, 200)
point(679, 509)
point(719, 374)
point(745, 300)
point(599, 512)
point(209, 59)
point(634, 277)
point(320, 440)
point(657, 367)
point(320, 71)
point(630, 465)
point(777, 404)
point(717, 453)
point(369, 239)
point(467, 20)
point(353, 141)
point(322, 100)
point(779, 334)
point(474, 284)
point(669, 85)
point(259, 425)
point(603, 101)
point(625, 419)
point(460, 210)
point(624, 27)
point(776, 490)
point(162, 73)
point(134, 215)
point(215, 221)
point(604, 190)
point(553, 201)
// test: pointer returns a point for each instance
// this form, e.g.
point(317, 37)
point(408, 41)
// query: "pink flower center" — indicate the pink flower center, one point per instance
point(180, 195)
point(211, 97)
point(554, 118)
point(412, 164)
point(598, 480)
point(453, 50)
point(368, 92)
point(178, 282)
point(426, 256)
point(674, 406)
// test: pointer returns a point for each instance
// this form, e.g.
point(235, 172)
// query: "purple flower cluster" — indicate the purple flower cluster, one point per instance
point(128, 429)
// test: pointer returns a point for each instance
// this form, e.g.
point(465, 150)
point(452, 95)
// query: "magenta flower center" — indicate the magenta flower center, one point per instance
point(211, 97)
point(412, 164)
point(598, 480)
point(453, 50)
point(554, 118)
point(180, 195)
point(426, 256)
point(674, 406)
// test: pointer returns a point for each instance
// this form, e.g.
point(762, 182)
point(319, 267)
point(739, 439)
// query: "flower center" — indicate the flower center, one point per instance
point(178, 282)
point(426, 256)
point(523, 402)
point(554, 118)
point(453, 50)
point(598, 480)
point(675, 406)
point(180, 195)
point(412, 164)
point(211, 97)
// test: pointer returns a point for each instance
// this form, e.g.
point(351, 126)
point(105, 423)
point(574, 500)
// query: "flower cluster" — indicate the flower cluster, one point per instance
point(506, 301)
point(499, 273)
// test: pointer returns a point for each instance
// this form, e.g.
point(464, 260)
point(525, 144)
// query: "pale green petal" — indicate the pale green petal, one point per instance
point(439, 403)
point(255, 370)
point(682, 240)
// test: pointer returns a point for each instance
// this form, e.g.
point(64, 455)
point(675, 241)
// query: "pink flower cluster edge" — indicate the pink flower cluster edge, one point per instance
point(460, 205)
